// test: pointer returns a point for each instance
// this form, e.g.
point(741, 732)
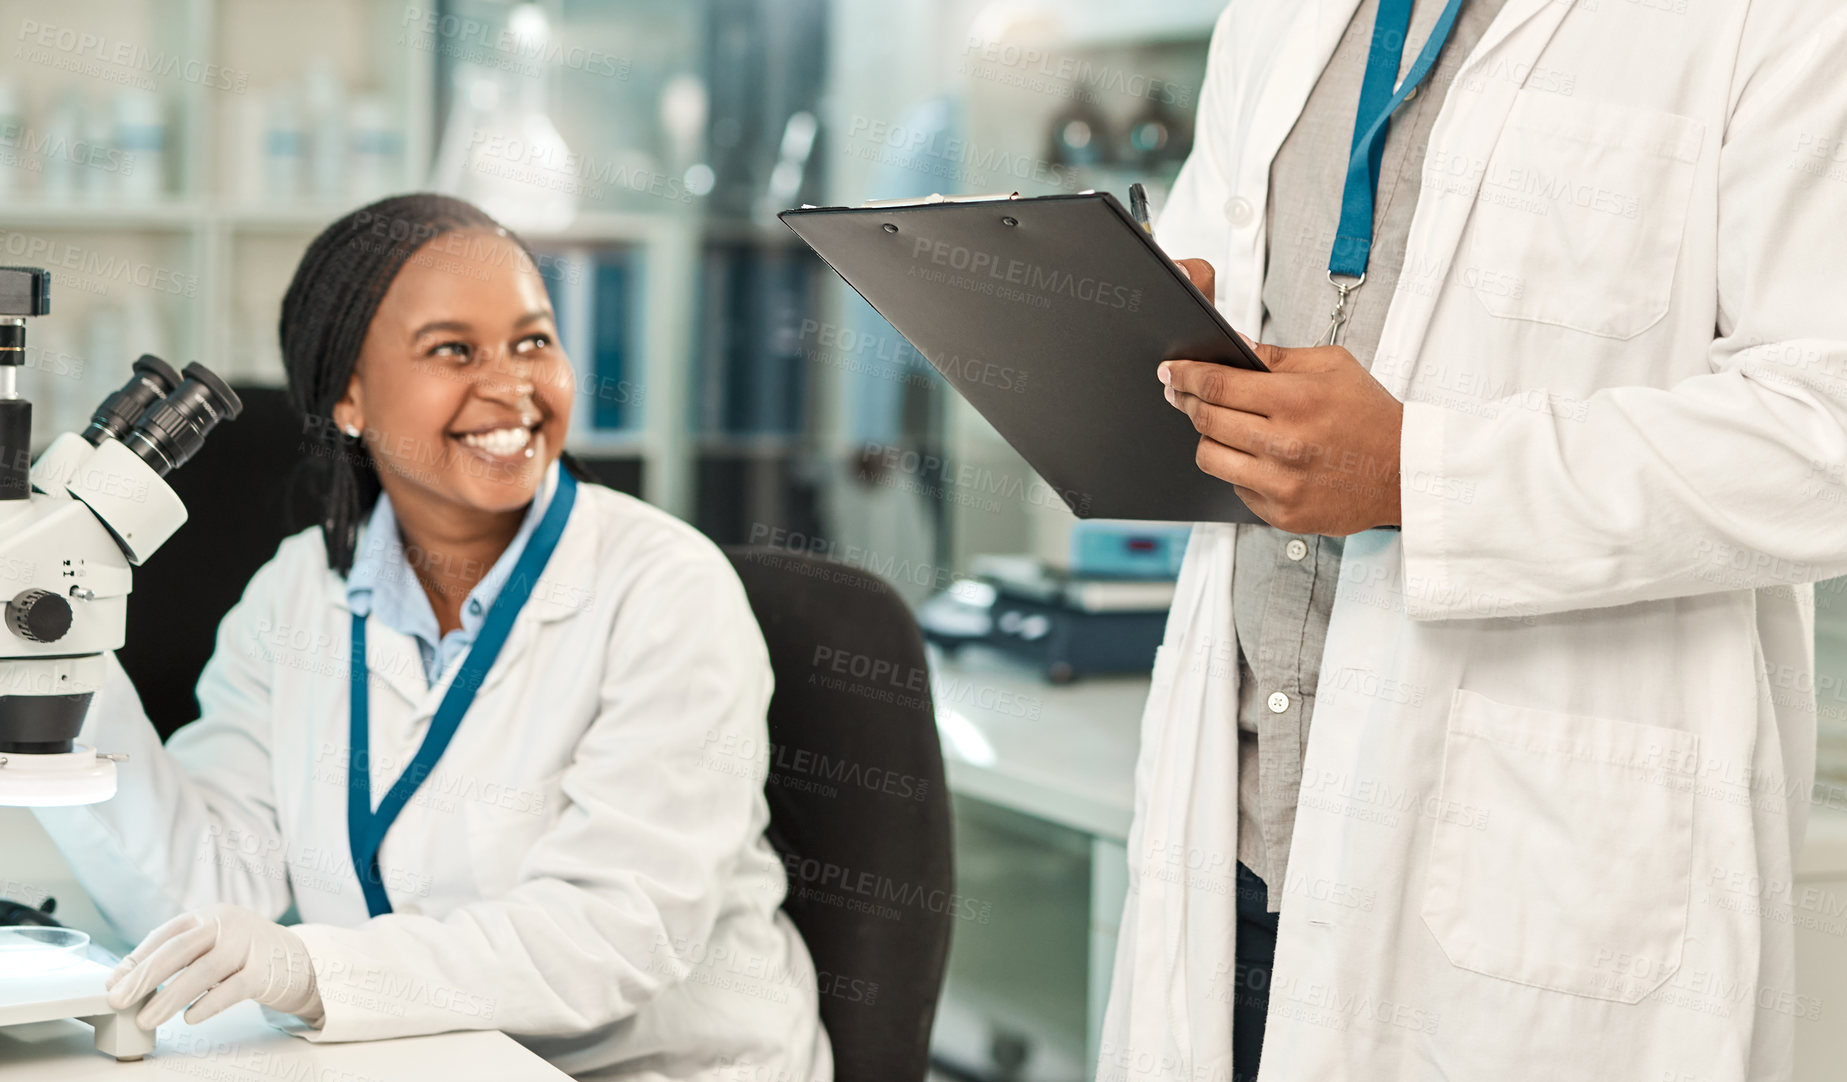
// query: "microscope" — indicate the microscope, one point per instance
point(73, 526)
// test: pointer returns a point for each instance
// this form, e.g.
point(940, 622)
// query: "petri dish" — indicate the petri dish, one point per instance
point(28, 950)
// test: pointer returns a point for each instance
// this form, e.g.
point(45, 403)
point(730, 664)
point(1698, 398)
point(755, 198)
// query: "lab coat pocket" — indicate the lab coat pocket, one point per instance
point(1563, 857)
point(1580, 214)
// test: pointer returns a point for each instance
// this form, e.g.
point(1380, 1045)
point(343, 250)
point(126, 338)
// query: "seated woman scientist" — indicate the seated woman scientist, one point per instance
point(537, 662)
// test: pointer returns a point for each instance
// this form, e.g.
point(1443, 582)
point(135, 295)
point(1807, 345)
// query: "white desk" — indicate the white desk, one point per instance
point(239, 1045)
point(1067, 755)
point(1064, 754)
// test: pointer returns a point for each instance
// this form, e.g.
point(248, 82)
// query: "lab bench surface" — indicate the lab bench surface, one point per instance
point(1063, 753)
point(239, 1044)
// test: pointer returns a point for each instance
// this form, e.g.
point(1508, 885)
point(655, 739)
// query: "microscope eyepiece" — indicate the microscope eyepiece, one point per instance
point(173, 429)
point(154, 379)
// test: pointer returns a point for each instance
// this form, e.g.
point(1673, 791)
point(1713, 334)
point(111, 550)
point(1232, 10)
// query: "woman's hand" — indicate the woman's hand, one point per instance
point(212, 959)
point(1311, 446)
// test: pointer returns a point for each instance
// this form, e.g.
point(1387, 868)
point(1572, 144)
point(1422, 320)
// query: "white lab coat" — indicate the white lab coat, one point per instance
point(1564, 732)
point(586, 867)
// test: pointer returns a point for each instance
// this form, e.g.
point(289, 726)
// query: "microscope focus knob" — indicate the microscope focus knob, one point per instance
point(39, 616)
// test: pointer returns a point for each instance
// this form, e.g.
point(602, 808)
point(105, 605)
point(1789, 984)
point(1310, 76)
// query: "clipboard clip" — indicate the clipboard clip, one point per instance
point(939, 197)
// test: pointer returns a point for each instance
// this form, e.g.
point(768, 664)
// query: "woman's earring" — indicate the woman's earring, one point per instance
point(352, 431)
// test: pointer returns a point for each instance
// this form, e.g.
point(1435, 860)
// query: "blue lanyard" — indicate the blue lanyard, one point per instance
point(365, 829)
point(1353, 239)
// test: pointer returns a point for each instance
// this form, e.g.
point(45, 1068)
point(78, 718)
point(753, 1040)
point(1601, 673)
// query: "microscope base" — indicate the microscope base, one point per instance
point(75, 993)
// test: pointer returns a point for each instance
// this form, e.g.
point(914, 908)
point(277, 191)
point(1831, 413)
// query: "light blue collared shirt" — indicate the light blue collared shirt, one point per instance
point(382, 583)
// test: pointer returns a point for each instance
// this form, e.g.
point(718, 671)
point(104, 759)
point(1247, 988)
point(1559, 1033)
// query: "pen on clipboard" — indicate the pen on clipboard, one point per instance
point(1138, 207)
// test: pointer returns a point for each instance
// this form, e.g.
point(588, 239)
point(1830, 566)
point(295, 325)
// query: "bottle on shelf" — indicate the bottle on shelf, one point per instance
point(325, 123)
point(500, 149)
point(282, 145)
point(63, 130)
point(139, 161)
point(12, 138)
point(375, 150)
point(94, 155)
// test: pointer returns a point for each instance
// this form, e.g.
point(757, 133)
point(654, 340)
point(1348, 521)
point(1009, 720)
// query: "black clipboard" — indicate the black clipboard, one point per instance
point(1049, 315)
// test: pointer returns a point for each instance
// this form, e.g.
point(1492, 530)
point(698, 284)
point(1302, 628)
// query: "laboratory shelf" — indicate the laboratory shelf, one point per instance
point(197, 273)
point(158, 216)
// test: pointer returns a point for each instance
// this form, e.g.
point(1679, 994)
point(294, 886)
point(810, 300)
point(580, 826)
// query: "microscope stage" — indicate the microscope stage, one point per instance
point(74, 992)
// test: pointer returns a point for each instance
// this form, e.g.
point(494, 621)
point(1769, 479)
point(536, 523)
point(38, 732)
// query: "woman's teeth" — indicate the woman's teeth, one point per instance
point(501, 441)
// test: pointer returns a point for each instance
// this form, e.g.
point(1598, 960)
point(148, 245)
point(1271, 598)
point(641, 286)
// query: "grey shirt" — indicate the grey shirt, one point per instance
point(1282, 586)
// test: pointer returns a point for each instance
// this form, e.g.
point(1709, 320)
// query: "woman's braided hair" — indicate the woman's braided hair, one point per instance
point(325, 315)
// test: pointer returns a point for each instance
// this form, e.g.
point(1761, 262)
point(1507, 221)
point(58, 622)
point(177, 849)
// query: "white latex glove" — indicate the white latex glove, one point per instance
point(214, 958)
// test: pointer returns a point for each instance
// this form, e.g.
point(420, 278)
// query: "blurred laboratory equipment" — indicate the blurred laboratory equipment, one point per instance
point(1102, 613)
point(500, 149)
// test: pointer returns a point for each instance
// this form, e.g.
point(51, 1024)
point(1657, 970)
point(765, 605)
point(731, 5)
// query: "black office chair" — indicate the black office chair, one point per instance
point(858, 808)
point(241, 501)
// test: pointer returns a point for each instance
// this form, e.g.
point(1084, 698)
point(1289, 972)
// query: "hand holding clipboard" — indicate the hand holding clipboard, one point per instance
point(1311, 445)
point(1077, 300)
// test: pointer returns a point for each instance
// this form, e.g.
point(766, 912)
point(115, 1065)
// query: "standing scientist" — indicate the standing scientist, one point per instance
point(1502, 730)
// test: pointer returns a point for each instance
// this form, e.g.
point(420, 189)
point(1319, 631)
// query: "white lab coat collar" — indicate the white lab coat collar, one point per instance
point(1468, 125)
point(381, 579)
point(563, 590)
point(1311, 42)
point(1466, 129)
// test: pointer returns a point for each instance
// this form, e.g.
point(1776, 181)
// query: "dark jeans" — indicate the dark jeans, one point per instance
point(1251, 975)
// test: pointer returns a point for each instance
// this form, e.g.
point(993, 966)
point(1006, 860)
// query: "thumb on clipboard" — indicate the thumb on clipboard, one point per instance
point(1205, 279)
point(1202, 274)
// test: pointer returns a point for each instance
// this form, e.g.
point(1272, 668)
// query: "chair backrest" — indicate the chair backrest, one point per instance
point(240, 503)
point(858, 807)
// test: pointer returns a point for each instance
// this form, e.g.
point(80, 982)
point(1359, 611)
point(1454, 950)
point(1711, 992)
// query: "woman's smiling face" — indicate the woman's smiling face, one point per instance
point(461, 387)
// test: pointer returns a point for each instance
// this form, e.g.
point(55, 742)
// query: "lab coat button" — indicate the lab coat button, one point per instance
point(1238, 211)
point(1278, 702)
point(475, 606)
point(1296, 548)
